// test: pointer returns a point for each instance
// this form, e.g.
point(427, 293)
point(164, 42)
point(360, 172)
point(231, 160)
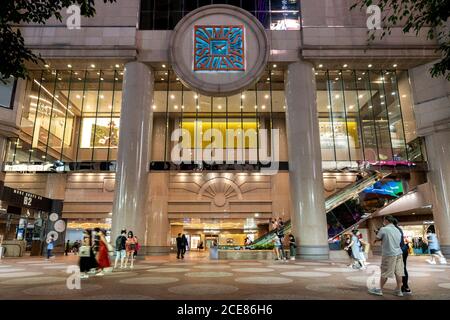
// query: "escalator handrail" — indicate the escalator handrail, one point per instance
point(328, 207)
point(369, 216)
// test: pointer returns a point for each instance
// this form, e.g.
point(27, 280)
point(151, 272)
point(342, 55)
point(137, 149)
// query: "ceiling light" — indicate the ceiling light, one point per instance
point(360, 96)
point(370, 107)
point(394, 65)
point(316, 73)
point(351, 107)
point(102, 96)
point(101, 79)
point(46, 65)
point(175, 107)
point(369, 66)
point(117, 66)
point(163, 65)
point(198, 107)
point(274, 65)
point(328, 107)
point(219, 107)
point(337, 96)
point(196, 96)
point(69, 66)
point(263, 107)
point(268, 79)
point(172, 97)
point(154, 107)
point(359, 79)
point(345, 66)
point(320, 65)
point(266, 96)
point(79, 79)
point(162, 79)
point(243, 96)
point(336, 79)
point(92, 65)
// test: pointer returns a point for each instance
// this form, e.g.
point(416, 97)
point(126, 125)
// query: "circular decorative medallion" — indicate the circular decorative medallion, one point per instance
point(60, 226)
point(53, 217)
point(219, 50)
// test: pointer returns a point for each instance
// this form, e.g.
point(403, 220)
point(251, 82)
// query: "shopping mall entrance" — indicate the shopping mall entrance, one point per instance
point(204, 232)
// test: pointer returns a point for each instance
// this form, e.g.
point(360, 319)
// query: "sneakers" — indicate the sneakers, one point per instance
point(406, 291)
point(376, 292)
point(84, 276)
point(398, 293)
point(430, 261)
point(100, 274)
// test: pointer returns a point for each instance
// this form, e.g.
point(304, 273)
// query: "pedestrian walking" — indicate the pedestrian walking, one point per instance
point(180, 245)
point(434, 247)
point(405, 252)
point(50, 246)
point(121, 253)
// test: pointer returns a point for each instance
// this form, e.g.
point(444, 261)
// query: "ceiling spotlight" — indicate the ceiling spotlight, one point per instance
point(92, 65)
point(274, 65)
point(369, 66)
point(320, 65)
point(266, 96)
point(163, 65)
point(268, 79)
point(196, 96)
point(328, 107)
point(394, 65)
point(69, 66)
point(175, 107)
point(117, 66)
point(219, 107)
point(263, 107)
point(154, 107)
point(345, 66)
point(172, 97)
point(243, 96)
point(46, 65)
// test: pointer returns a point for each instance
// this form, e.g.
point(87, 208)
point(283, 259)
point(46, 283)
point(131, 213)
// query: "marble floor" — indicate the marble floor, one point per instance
point(197, 278)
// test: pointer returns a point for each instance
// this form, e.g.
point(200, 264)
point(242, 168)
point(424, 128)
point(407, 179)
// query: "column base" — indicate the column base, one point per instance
point(155, 250)
point(313, 252)
point(446, 250)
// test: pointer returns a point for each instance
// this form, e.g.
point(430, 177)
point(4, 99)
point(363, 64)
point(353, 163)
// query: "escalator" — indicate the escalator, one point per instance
point(332, 203)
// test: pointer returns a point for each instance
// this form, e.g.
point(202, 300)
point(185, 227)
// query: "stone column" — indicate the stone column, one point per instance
point(309, 224)
point(432, 114)
point(158, 228)
point(3, 147)
point(133, 158)
point(438, 148)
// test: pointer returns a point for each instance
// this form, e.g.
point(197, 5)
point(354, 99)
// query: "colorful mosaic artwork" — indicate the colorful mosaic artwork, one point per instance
point(219, 48)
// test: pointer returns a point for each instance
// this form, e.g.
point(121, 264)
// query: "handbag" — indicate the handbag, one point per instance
point(85, 251)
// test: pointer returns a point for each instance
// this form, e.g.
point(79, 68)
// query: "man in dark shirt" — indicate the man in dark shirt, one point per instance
point(404, 246)
point(180, 245)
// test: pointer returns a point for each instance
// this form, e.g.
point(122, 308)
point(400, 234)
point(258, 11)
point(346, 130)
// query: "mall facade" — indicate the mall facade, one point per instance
point(212, 117)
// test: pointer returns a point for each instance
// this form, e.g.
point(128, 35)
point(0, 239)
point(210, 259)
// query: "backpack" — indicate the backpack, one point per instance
point(119, 243)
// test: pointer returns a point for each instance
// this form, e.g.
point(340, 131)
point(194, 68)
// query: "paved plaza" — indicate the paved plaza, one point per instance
point(197, 277)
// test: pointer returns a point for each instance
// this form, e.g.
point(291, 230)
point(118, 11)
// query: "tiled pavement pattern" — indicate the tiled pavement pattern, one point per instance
point(197, 277)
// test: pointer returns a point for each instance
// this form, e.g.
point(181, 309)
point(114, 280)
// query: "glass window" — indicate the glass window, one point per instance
point(70, 115)
point(7, 93)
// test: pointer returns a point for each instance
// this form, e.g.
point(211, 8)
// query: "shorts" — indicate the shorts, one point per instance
point(434, 251)
point(392, 266)
point(121, 254)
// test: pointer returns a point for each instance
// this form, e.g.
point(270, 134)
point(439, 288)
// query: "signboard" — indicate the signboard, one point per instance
point(219, 50)
point(390, 188)
point(21, 198)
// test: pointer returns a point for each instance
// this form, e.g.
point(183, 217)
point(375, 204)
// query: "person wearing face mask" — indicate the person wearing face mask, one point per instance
point(130, 247)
